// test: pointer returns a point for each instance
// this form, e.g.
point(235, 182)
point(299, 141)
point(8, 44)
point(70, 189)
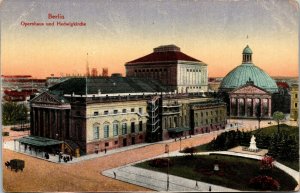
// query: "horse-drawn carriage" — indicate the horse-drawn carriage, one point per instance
point(15, 164)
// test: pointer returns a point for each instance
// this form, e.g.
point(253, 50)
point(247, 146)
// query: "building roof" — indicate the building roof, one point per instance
point(242, 73)
point(163, 54)
point(38, 141)
point(107, 85)
point(247, 50)
point(282, 84)
point(178, 129)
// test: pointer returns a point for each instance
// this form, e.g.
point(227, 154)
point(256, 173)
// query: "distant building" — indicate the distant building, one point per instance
point(174, 69)
point(248, 90)
point(282, 99)
point(94, 72)
point(294, 102)
point(214, 84)
point(105, 72)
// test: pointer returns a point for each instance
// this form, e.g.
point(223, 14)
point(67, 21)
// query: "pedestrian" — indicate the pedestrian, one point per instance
point(175, 139)
point(115, 175)
point(71, 157)
point(196, 184)
point(209, 188)
point(105, 150)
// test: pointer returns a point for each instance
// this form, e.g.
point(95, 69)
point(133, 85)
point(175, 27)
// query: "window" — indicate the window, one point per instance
point(105, 112)
point(132, 109)
point(124, 111)
point(211, 112)
point(115, 128)
point(106, 131)
point(296, 105)
point(206, 113)
point(140, 126)
point(140, 110)
point(115, 111)
point(296, 95)
point(116, 142)
point(124, 128)
point(96, 113)
point(96, 132)
point(106, 144)
point(201, 114)
point(132, 127)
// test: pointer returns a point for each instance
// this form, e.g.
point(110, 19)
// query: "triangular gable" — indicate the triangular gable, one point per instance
point(249, 89)
point(47, 98)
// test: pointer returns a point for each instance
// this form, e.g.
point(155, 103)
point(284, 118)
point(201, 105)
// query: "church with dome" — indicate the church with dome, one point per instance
point(248, 90)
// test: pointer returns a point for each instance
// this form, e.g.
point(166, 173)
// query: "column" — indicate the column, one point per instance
point(245, 103)
point(230, 107)
point(261, 107)
point(238, 107)
point(269, 107)
point(253, 107)
point(39, 122)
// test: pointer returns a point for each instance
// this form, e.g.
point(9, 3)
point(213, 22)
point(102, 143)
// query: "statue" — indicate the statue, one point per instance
point(252, 146)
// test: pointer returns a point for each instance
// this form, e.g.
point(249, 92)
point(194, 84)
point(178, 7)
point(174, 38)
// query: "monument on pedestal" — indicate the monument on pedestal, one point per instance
point(252, 146)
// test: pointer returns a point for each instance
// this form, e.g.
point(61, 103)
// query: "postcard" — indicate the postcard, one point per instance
point(148, 95)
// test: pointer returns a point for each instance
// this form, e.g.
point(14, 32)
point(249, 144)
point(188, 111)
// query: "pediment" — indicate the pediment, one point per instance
point(46, 98)
point(249, 89)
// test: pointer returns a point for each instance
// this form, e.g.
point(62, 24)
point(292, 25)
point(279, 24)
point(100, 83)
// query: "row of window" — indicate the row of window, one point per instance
point(151, 70)
point(193, 70)
point(106, 112)
point(96, 129)
point(193, 87)
point(208, 121)
point(211, 113)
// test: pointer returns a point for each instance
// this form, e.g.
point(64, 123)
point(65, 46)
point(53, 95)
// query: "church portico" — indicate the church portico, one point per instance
point(250, 101)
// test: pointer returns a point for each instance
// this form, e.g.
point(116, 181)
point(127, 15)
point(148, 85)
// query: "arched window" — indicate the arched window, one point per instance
point(124, 128)
point(96, 131)
point(106, 131)
point(115, 128)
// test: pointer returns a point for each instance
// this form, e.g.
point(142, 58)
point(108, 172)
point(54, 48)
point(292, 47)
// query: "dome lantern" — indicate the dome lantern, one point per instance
point(247, 55)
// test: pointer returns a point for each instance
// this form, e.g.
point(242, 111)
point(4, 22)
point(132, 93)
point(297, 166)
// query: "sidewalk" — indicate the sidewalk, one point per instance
point(158, 181)
point(10, 145)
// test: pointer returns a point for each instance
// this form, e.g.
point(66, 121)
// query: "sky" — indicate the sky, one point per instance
point(118, 31)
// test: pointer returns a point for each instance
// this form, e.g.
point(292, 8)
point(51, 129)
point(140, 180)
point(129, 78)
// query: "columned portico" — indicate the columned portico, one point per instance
point(247, 100)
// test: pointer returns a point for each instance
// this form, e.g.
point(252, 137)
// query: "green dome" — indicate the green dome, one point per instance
point(247, 50)
point(242, 73)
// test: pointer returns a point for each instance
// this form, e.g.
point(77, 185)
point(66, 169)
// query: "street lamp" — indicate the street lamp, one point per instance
point(167, 151)
point(180, 143)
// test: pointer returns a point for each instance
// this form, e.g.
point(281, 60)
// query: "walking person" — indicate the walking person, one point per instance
point(196, 186)
point(209, 188)
point(115, 175)
point(105, 150)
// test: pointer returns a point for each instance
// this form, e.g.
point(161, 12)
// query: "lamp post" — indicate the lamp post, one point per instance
point(167, 151)
point(180, 143)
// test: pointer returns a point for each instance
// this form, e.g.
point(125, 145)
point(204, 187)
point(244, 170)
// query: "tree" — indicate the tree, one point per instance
point(13, 113)
point(278, 116)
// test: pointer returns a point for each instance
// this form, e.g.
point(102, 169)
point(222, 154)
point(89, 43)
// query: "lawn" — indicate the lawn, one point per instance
point(234, 172)
point(267, 131)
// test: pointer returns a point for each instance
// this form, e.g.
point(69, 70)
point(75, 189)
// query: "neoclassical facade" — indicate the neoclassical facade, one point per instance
point(174, 69)
point(250, 101)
